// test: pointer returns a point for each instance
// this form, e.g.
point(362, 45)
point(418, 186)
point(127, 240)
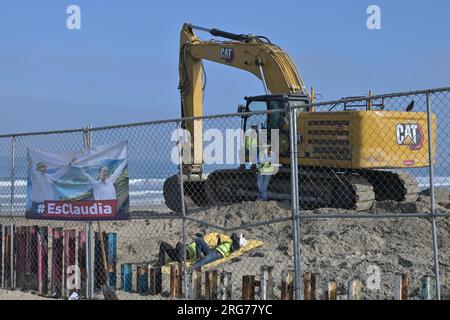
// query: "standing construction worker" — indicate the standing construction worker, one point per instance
point(251, 146)
point(266, 168)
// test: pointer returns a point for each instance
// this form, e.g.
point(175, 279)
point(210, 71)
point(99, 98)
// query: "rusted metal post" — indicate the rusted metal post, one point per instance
point(1, 255)
point(211, 284)
point(69, 258)
point(287, 284)
point(82, 261)
point(20, 250)
point(428, 288)
point(155, 280)
point(7, 275)
point(401, 286)
point(175, 280)
point(134, 275)
point(354, 290)
point(309, 286)
point(111, 244)
point(196, 284)
point(32, 259)
point(266, 283)
point(331, 291)
point(57, 262)
point(126, 277)
point(248, 287)
point(142, 279)
point(225, 288)
point(99, 266)
point(42, 264)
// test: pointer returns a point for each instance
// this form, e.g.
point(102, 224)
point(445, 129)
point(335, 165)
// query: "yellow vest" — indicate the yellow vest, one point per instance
point(251, 143)
point(191, 250)
point(265, 166)
point(225, 248)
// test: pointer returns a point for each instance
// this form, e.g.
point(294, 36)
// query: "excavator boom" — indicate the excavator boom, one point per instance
point(254, 54)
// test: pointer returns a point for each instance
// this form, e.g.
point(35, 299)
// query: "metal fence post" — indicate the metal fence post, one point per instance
point(13, 180)
point(295, 202)
point(183, 213)
point(87, 138)
point(433, 204)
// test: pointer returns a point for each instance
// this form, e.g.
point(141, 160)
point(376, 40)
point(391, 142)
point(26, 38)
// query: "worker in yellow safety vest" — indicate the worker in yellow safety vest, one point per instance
point(176, 254)
point(251, 145)
point(265, 170)
point(222, 250)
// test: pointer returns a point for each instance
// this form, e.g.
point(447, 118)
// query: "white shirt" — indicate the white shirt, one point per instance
point(105, 190)
point(42, 188)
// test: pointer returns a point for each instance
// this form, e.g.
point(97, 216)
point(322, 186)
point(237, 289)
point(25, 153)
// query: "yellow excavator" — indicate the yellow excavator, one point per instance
point(347, 159)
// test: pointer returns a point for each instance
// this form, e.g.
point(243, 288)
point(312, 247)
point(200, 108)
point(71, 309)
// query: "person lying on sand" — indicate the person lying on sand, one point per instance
point(176, 253)
point(222, 250)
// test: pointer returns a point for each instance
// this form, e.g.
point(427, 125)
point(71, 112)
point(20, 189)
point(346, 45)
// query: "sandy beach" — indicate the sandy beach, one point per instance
point(335, 249)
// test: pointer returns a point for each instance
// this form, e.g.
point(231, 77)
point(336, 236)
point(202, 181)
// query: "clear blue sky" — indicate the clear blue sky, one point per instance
point(123, 65)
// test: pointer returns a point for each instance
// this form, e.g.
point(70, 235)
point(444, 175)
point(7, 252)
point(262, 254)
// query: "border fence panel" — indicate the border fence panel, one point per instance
point(333, 205)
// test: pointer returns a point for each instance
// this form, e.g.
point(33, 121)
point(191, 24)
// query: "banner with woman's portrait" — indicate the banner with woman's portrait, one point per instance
point(91, 184)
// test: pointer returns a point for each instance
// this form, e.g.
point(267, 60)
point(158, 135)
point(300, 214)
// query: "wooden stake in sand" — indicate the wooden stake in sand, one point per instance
point(287, 285)
point(309, 286)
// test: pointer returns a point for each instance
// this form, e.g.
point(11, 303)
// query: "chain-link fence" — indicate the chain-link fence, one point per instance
point(343, 203)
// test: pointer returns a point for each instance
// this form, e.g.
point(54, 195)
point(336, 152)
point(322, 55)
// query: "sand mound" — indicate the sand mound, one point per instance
point(341, 249)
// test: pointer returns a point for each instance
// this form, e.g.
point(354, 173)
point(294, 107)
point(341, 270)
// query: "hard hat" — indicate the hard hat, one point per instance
point(242, 241)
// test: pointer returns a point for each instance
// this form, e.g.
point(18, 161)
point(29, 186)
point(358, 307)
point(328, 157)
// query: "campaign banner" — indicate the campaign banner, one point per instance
point(87, 185)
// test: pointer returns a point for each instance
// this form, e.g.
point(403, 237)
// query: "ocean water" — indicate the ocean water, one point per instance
point(146, 192)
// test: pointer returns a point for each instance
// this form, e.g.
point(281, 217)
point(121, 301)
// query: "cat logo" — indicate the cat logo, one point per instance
point(409, 134)
point(227, 54)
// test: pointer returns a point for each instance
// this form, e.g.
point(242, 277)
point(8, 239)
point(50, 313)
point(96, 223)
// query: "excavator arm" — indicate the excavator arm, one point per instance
point(253, 54)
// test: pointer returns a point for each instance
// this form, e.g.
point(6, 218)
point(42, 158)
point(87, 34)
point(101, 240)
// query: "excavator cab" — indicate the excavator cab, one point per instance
point(275, 120)
point(272, 120)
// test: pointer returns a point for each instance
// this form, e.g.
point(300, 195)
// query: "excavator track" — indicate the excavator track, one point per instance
point(318, 188)
point(194, 194)
point(397, 186)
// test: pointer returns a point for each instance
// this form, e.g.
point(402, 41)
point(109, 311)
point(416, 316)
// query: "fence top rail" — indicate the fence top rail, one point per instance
point(225, 115)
